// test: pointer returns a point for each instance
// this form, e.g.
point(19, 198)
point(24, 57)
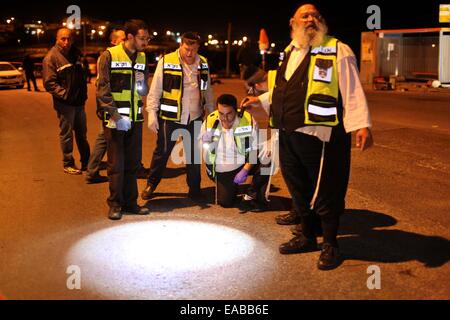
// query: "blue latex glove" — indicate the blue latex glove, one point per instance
point(123, 124)
point(241, 176)
point(207, 136)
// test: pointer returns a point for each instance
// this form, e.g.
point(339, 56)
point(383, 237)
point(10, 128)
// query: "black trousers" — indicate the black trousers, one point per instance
point(124, 158)
point(227, 190)
point(97, 155)
point(300, 159)
point(30, 77)
point(165, 145)
point(73, 119)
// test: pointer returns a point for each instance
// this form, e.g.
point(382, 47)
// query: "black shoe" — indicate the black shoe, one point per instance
point(289, 218)
point(84, 167)
point(330, 257)
point(136, 210)
point(142, 173)
point(147, 194)
point(299, 244)
point(246, 206)
point(115, 213)
point(259, 206)
point(96, 179)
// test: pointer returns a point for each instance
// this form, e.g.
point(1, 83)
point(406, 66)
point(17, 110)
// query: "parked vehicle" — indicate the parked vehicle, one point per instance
point(10, 76)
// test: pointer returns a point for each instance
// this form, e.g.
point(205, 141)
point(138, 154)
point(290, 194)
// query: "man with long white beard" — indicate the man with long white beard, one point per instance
point(316, 100)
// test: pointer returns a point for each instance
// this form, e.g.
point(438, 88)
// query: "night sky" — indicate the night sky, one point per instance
point(346, 19)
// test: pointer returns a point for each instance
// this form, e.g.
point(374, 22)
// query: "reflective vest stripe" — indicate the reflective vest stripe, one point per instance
point(166, 107)
point(64, 67)
point(322, 111)
point(127, 110)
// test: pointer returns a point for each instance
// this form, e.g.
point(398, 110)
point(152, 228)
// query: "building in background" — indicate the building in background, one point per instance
point(410, 54)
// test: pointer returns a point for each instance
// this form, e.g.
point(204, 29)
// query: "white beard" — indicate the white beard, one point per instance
point(306, 39)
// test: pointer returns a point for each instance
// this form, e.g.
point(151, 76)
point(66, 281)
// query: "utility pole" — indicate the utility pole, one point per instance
point(84, 38)
point(228, 51)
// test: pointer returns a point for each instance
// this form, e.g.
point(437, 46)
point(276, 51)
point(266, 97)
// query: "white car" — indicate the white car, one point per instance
point(10, 76)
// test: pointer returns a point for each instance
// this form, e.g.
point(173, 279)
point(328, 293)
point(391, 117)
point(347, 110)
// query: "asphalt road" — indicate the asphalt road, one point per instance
point(54, 227)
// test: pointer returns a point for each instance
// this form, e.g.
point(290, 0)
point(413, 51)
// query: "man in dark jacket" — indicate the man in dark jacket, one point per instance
point(64, 78)
point(28, 67)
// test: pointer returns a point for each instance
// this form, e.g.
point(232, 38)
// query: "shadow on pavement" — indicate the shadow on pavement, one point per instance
point(360, 241)
point(170, 173)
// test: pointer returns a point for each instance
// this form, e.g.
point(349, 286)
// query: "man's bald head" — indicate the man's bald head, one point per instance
point(117, 37)
point(64, 38)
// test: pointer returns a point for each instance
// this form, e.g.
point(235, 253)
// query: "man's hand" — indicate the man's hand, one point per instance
point(123, 124)
point(207, 136)
point(364, 139)
point(153, 122)
point(139, 76)
point(250, 101)
point(241, 176)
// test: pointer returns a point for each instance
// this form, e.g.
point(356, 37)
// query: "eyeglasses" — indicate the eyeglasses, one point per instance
point(314, 15)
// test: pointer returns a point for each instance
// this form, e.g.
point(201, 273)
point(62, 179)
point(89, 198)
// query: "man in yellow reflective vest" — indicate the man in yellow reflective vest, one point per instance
point(179, 95)
point(229, 138)
point(93, 169)
point(122, 81)
point(316, 100)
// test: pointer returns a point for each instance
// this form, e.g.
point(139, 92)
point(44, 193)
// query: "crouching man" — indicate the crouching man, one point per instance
point(229, 138)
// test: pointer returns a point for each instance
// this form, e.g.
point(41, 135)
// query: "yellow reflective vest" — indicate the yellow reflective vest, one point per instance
point(322, 95)
point(124, 89)
point(171, 106)
point(242, 134)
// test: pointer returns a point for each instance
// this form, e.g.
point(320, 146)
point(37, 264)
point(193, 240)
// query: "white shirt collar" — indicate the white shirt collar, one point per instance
point(295, 45)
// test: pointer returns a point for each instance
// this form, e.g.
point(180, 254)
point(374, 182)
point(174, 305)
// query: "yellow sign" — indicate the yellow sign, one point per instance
point(444, 13)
